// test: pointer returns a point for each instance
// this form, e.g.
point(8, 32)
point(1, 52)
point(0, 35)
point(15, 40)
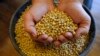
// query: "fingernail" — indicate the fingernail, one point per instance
point(57, 43)
point(68, 35)
point(44, 37)
point(77, 35)
point(34, 35)
point(62, 39)
point(50, 39)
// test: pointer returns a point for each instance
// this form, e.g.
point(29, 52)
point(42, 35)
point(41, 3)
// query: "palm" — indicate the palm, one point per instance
point(78, 15)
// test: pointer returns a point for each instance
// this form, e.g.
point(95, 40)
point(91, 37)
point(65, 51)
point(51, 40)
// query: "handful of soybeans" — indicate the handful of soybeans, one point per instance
point(54, 23)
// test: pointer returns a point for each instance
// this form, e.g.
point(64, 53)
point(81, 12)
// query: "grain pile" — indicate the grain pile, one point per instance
point(53, 23)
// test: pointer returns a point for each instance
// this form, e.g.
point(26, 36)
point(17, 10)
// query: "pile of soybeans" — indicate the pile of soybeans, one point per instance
point(53, 24)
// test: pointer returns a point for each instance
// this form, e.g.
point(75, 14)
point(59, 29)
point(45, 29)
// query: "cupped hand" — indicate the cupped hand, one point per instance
point(33, 15)
point(79, 16)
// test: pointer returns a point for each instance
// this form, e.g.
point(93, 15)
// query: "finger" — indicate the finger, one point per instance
point(62, 39)
point(42, 38)
point(81, 31)
point(49, 39)
point(57, 43)
point(29, 24)
point(68, 35)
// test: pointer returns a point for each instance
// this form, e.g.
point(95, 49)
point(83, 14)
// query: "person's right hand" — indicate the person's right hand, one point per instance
point(33, 15)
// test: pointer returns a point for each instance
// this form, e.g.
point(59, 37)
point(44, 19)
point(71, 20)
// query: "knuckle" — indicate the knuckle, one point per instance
point(27, 29)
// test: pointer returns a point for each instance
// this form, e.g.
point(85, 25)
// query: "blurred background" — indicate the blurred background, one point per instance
point(8, 7)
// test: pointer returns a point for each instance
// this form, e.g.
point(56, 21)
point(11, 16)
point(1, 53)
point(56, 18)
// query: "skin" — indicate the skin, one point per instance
point(72, 7)
point(33, 15)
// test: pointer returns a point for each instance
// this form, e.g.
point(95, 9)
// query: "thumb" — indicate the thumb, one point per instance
point(29, 24)
point(82, 30)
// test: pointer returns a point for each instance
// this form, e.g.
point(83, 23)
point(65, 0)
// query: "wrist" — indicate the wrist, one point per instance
point(42, 1)
point(69, 1)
